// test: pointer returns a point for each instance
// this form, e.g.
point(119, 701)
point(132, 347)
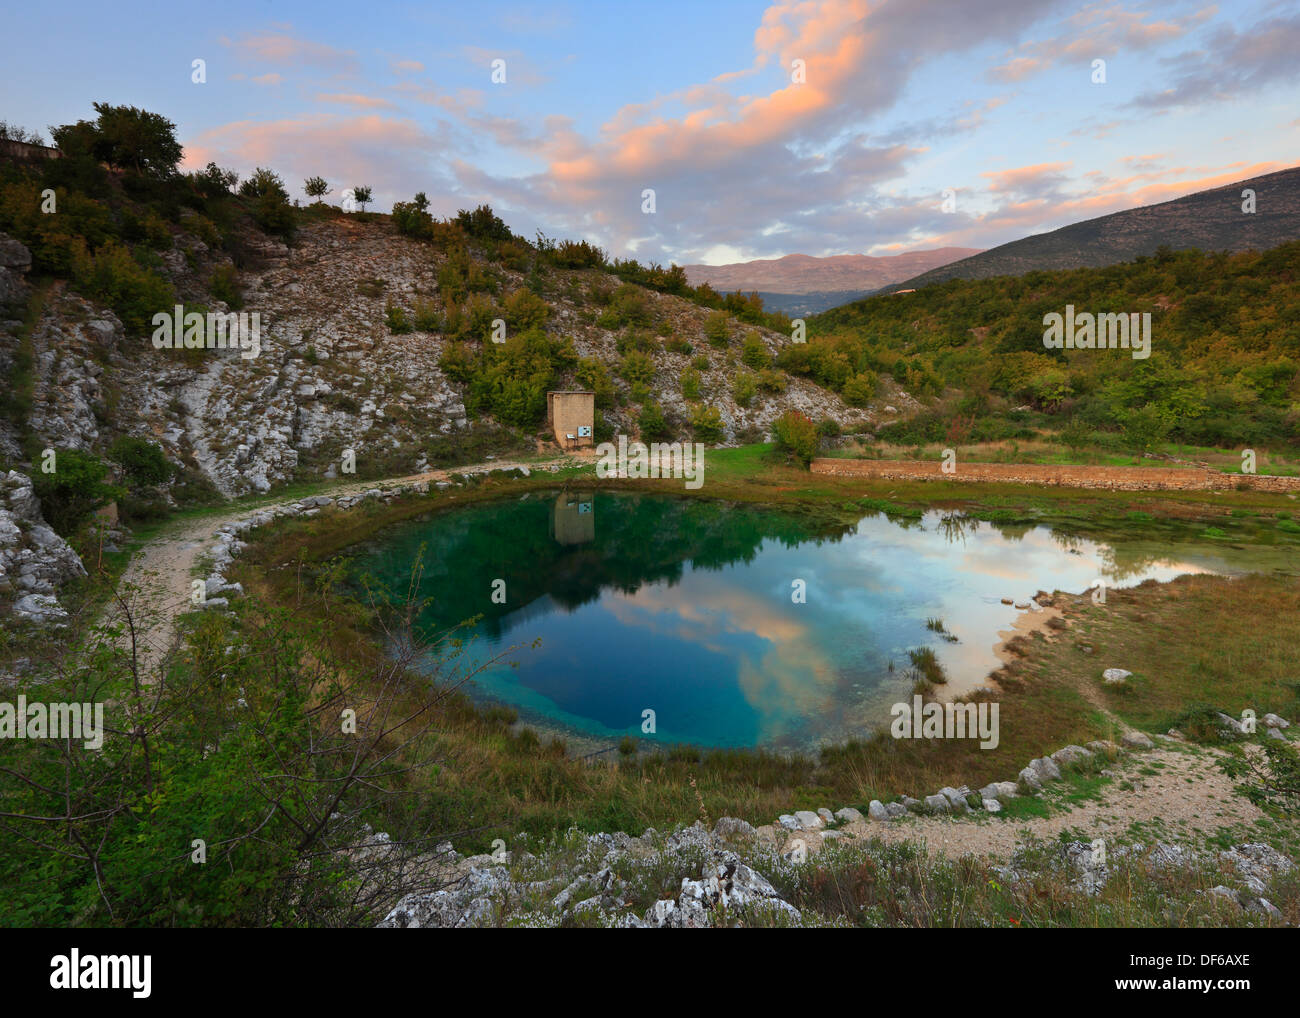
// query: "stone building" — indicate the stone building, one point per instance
point(571, 416)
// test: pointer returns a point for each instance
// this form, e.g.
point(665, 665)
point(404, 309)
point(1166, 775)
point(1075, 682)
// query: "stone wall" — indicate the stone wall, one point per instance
point(1113, 478)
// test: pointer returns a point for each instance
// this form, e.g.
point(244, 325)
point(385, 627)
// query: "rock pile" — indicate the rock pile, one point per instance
point(34, 560)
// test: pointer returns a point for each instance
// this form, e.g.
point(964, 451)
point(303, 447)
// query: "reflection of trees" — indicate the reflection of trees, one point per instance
point(638, 540)
point(956, 527)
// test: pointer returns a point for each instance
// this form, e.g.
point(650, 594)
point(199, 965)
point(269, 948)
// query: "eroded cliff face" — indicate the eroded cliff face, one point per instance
point(329, 374)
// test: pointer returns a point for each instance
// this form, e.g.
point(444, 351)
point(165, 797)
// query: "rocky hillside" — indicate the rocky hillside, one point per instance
point(331, 375)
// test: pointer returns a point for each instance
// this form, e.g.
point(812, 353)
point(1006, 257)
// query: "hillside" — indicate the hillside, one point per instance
point(802, 284)
point(1223, 370)
point(1210, 220)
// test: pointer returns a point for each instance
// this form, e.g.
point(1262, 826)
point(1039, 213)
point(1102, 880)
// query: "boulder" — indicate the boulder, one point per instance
point(1115, 675)
point(1137, 740)
point(1273, 721)
point(733, 827)
point(938, 804)
point(1029, 781)
point(1069, 756)
point(809, 820)
point(848, 815)
point(876, 810)
point(1046, 769)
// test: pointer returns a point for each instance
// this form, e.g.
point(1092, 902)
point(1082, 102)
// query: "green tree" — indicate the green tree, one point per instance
point(363, 196)
point(796, 436)
point(143, 463)
point(652, 424)
point(75, 489)
point(126, 138)
point(316, 187)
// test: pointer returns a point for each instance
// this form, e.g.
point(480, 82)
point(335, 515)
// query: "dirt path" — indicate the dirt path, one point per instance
point(156, 584)
point(1177, 792)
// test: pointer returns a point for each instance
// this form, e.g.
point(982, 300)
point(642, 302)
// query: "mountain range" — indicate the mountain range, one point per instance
point(804, 284)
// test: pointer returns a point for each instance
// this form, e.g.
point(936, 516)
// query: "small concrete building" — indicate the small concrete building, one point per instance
point(572, 417)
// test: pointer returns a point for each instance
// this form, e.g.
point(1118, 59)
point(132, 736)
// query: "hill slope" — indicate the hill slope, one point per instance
point(1207, 220)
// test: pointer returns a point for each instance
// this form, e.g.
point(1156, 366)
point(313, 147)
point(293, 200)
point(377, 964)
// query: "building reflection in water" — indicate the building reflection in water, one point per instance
point(573, 517)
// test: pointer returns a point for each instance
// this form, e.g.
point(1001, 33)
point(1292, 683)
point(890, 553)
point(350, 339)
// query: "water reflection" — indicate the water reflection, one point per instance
point(684, 606)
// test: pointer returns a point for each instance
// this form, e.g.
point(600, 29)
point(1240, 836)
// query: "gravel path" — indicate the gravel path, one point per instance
point(156, 584)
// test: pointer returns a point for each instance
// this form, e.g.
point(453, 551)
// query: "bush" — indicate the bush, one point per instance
point(427, 318)
point(706, 422)
point(592, 374)
point(717, 329)
point(691, 384)
point(396, 318)
point(796, 436)
point(753, 353)
point(225, 286)
point(142, 462)
point(772, 381)
point(636, 368)
point(652, 424)
point(744, 388)
point(860, 388)
point(135, 293)
point(75, 490)
point(459, 362)
point(525, 310)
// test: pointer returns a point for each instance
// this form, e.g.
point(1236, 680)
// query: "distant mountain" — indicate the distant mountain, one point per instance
point(1210, 220)
point(821, 282)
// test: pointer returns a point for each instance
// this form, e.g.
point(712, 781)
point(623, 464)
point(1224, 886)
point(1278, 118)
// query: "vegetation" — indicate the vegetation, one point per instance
point(1224, 369)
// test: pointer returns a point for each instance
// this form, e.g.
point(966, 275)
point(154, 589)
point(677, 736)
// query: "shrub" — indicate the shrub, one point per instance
point(525, 310)
point(860, 388)
point(772, 381)
point(142, 462)
point(796, 436)
point(753, 353)
point(637, 367)
point(592, 374)
point(652, 424)
point(744, 388)
point(427, 318)
point(459, 362)
point(717, 329)
point(396, 318)
point(134, 292)
point(225, 286)
point(74, 490)
point(706, 422)
point(691, 384)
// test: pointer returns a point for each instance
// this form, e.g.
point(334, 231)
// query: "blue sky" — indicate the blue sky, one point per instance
point(993, 100)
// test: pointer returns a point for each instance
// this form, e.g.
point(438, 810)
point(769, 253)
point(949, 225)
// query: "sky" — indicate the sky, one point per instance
point(762, 129)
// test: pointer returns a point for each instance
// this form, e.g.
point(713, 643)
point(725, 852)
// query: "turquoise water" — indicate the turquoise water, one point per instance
point(685, 607)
